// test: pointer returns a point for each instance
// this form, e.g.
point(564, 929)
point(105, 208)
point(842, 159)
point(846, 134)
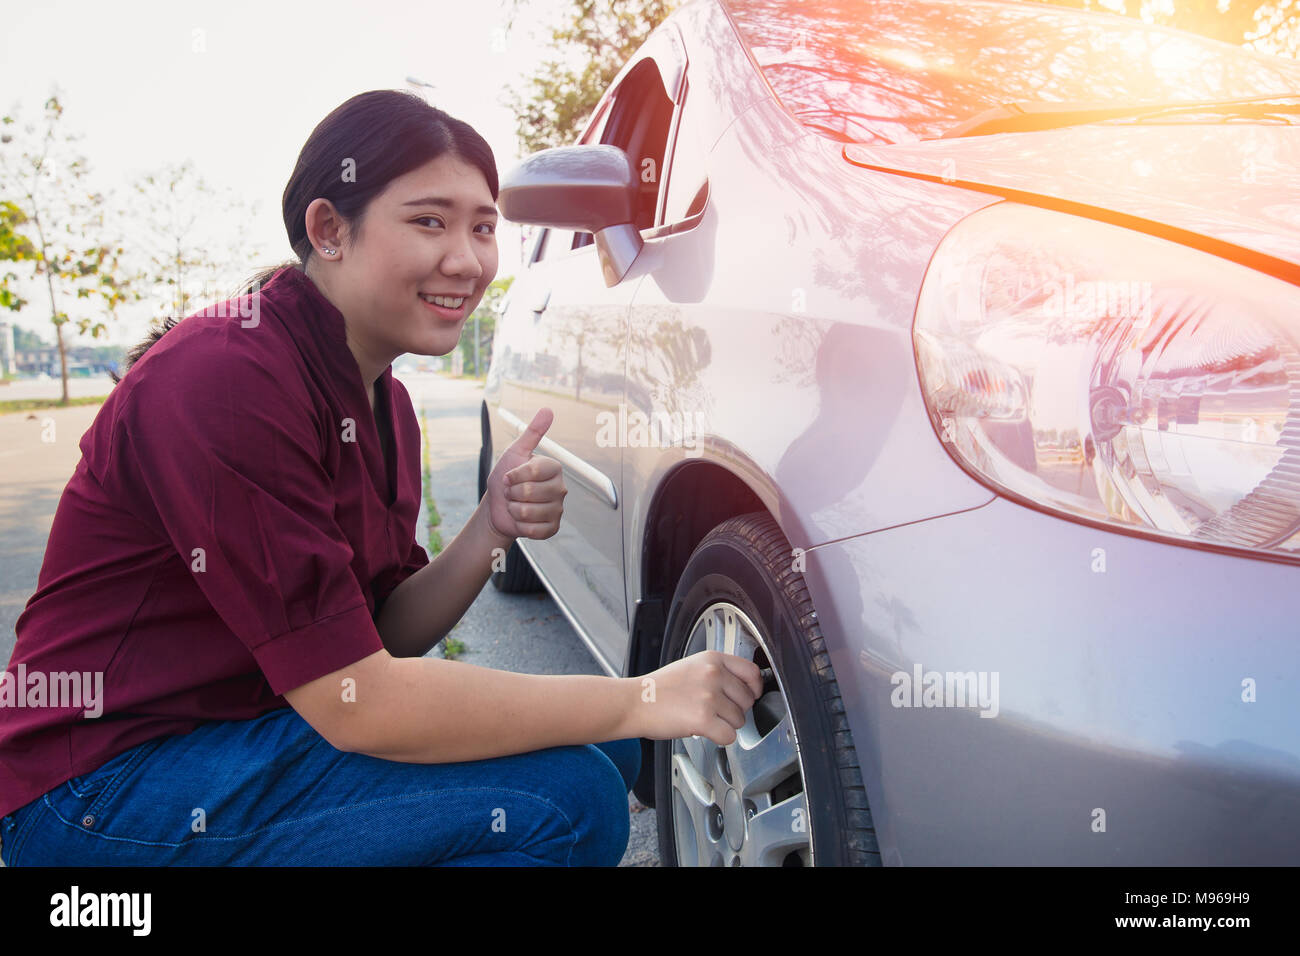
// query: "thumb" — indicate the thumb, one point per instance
point(532, 435)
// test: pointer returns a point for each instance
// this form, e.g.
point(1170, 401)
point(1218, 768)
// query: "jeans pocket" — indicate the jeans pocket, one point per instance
point(95, 790)
point(92, 782)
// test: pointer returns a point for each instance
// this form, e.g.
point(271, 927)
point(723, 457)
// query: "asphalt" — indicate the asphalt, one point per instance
point(520, 633)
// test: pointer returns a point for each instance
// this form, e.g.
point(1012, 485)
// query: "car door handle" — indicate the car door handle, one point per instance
point(540, 302)
point(580, 469)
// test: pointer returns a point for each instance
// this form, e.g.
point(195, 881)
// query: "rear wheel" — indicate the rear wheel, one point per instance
point(518, 576)
point(788, 791)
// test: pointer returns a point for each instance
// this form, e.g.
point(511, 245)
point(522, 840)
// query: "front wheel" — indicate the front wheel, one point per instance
point(788, 791)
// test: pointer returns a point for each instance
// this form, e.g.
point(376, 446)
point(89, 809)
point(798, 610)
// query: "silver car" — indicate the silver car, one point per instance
point(944, 360)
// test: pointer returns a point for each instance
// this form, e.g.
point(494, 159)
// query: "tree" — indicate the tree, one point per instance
point(27, 341)
point(487, 313)
point(14, 247)
point(62, 227)
point(601, 37)
point(183, 260)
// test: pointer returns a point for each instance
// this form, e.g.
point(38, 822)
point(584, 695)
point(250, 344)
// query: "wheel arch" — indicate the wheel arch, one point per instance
point(691, 499)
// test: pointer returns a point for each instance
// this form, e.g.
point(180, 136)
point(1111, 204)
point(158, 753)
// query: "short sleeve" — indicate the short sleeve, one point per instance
point(415, 559)
point(223, 457)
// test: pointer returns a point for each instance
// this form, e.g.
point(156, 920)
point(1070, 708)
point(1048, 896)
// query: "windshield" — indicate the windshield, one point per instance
point(899, 71)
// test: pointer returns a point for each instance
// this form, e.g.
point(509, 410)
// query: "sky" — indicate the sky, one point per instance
point(236, 87)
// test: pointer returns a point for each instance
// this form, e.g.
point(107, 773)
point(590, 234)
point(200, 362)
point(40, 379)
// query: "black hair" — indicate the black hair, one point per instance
point(350, 158)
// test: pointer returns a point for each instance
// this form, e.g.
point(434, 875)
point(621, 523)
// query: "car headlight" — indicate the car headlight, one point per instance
point(1115, 376)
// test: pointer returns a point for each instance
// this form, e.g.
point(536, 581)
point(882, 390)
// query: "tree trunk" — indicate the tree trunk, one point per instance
point(63, 362)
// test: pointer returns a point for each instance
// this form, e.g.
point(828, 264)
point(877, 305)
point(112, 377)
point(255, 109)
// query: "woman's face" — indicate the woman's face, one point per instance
point(433, 230)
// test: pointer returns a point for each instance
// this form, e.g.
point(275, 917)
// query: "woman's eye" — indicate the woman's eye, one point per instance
point(490, 226)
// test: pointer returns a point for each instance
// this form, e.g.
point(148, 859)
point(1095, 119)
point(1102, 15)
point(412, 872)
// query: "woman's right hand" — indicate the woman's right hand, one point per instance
point(705, 694)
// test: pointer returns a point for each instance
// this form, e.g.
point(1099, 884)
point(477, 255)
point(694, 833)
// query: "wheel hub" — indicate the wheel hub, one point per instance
point(733, 820)
point(743, 803)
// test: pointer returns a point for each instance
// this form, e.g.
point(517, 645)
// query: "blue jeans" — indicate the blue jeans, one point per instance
point(272, 792)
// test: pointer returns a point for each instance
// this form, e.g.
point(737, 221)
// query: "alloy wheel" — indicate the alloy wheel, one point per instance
point(743, 804)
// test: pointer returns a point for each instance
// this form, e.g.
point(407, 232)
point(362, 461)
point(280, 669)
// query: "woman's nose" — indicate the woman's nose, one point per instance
point(460, 259)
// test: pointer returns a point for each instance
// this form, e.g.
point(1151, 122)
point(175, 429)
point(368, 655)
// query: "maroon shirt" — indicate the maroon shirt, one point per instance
point(234, 440)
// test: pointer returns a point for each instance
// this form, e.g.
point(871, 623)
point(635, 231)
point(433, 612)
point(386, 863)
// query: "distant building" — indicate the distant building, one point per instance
point(82, 361)
point(8, 363)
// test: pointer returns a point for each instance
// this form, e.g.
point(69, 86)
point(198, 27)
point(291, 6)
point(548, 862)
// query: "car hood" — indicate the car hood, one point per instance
point(1232, 189)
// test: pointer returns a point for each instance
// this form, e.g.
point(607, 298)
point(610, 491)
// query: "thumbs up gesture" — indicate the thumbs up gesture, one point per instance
point(525, 492)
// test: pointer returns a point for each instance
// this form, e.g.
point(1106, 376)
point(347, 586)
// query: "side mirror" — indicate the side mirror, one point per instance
point(585, 188)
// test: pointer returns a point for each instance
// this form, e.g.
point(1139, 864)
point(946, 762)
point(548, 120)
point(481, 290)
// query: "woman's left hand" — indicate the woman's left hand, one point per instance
point(525, 492)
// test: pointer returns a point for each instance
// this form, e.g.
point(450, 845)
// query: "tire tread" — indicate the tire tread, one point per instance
point(768, 543)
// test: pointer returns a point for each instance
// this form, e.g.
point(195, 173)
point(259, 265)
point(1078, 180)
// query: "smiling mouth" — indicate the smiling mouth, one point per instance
point(454, 311)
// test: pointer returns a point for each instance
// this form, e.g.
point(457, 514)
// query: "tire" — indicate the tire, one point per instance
point(810, 802)
point(519, 576)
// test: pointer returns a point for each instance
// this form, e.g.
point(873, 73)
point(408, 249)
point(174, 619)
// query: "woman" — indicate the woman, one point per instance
point(234, 562)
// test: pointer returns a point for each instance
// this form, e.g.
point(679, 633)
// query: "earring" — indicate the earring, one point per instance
point(328, 252)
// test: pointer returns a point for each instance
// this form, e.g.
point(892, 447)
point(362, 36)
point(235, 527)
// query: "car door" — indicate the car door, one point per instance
point(566, 349)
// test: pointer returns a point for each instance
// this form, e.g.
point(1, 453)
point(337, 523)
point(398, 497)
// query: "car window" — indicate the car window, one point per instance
point(536, 240)
point(596, 127)
point(638, 125)
point(555, 243)
point(688, 178)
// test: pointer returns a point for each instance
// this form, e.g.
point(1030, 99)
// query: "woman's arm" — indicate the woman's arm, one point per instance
point(424, 607)
point(427, 710)
point(524, 498)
